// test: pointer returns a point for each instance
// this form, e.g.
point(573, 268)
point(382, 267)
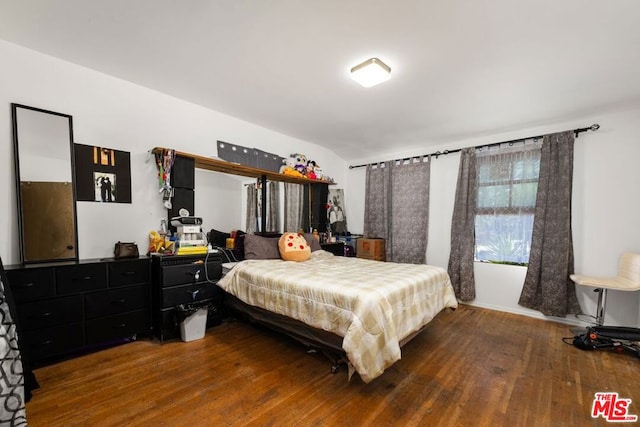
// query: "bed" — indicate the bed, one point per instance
point(363, 310)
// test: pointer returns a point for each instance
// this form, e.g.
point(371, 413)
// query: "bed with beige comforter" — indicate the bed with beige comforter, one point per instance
point(373, 305)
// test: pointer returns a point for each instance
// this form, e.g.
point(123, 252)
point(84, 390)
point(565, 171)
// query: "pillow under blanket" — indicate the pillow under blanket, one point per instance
point(314, 244)
point(258, 247)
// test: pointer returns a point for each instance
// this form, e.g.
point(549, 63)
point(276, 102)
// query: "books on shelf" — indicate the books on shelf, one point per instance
point(192, 250)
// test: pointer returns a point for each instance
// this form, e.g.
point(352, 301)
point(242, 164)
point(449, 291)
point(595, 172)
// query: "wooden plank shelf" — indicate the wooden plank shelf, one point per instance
point(216, 165)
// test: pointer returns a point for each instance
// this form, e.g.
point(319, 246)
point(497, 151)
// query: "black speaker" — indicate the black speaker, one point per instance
point(183, 180)
point(319, 195)
point(183, 173)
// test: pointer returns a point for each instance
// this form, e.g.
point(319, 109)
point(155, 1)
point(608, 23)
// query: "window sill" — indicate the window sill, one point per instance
point(514, 264)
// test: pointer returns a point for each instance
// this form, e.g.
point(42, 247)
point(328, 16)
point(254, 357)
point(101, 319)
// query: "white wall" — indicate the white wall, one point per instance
point(606, 208)
point(116, 114)
point(113, 113)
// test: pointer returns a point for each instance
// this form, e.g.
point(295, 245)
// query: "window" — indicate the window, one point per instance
point(507, 185)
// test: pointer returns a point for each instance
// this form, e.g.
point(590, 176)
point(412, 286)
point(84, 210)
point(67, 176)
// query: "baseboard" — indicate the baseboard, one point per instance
point(529, 313)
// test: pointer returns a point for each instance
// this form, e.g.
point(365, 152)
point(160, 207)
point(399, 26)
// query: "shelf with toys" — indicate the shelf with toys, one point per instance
point(216, 165)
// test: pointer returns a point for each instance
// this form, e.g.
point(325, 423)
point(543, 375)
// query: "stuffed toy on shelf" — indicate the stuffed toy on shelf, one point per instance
point(294, 166)
point(299, 166)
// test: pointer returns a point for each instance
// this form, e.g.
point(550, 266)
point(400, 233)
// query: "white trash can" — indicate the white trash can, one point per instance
point(194, 326)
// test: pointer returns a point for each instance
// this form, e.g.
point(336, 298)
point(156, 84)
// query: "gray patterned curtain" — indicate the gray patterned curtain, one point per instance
point(376, 202)
point(463, 228)
point(397, 208)
point(547, 286)
point(252, 212)
point(293, 207)
point(12, 392)
point(273, 204)
point(409, 212)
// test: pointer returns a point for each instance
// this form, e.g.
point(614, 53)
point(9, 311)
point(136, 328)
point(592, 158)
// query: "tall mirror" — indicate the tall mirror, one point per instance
point(43, 150)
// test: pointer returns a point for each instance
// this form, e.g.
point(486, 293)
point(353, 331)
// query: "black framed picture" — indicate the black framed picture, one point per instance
point(102, 174)
point(335, 212)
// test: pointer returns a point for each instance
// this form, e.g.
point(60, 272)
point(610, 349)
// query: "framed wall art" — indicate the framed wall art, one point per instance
point(102, 174)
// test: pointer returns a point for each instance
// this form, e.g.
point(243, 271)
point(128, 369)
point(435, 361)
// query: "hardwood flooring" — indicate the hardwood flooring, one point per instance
point(471, 367)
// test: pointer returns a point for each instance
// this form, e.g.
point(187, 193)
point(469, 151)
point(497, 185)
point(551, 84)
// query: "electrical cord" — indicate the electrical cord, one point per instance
point(206, 269)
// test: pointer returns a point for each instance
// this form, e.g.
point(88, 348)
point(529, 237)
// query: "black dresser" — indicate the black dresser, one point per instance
point(184, 280)
point(69, 308)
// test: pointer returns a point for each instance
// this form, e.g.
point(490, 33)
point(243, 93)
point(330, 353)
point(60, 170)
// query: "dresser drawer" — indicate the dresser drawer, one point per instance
point(80, 278)
point(128, 272)
point(99, 304)
point(31, 284)
point(52, 312)
point(190, 273)
point(117, 326)
point(190, 293)
point(45, 343)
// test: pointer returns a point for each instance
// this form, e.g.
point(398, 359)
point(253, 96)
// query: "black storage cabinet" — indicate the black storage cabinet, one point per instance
point(70, 308)
point(183, 279)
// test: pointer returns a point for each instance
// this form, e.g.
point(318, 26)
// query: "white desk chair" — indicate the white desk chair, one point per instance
point(628, 279)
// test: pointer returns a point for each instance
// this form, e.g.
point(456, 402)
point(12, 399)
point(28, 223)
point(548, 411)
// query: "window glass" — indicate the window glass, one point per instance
point(507, 186)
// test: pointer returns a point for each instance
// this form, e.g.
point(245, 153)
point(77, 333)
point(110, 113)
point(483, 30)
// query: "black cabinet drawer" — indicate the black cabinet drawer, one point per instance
point(190, 293)
point(52, 312)
point(190, 273)
point(45, 343)
point(80, 278)
point(128, 272)
point(31, 284)
point(99, 304)
point(117, 326)
point(60, 305)
point(182, 280)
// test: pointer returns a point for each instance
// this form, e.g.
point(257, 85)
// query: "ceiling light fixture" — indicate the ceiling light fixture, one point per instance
point(371, 72)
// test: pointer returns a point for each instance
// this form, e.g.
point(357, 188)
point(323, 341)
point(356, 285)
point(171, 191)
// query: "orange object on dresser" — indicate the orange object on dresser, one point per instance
point(371, 249)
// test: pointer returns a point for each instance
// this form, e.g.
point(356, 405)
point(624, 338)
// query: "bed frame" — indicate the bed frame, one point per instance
point(316, 340)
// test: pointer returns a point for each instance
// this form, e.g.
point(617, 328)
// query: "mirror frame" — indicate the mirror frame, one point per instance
point(19, 198)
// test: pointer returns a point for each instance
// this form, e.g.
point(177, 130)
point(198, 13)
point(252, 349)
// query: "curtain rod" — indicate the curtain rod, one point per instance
point(577, 132)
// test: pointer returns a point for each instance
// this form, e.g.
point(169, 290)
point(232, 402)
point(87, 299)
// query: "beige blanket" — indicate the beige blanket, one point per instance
point(372, 304)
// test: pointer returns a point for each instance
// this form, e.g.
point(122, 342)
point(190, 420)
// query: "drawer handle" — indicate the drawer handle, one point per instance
point(120, 326)
point(41, 315)
point(193, 294)
point(85, 278)
point(129, 273)
point(119, 301)
point(26, 285)
point(196, 274)
point(46, 342)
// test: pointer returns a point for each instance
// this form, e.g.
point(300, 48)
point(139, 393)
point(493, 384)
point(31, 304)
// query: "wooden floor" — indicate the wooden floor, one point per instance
point(471, 367)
